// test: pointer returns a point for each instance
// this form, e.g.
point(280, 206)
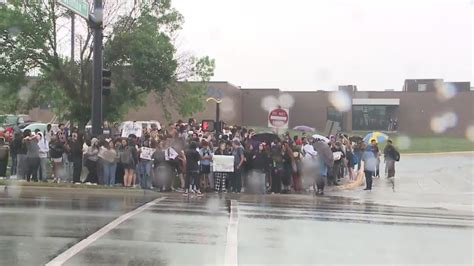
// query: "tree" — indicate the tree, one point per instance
point(138, 48)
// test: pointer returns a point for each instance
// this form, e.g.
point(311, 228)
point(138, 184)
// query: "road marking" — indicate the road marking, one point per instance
point(232, 236)
point(66, 255)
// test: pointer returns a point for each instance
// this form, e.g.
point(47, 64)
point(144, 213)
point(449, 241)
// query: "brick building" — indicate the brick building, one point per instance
point(422, 107)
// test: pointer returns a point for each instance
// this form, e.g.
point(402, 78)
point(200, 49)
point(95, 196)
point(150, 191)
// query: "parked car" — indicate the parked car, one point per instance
point(41, 127)
point(10, 120)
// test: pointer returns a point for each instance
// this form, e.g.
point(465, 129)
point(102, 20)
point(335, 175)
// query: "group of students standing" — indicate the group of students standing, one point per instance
point(182, 157)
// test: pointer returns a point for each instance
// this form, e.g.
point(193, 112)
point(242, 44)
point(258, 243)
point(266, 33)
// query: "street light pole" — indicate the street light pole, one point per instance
point(96, 115)
point(218, 107)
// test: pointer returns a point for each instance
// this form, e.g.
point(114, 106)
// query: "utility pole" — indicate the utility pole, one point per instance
point(97, 70)
point(73, 19)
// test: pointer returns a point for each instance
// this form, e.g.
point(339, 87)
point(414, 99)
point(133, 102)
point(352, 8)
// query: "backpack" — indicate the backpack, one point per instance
point(396, 155)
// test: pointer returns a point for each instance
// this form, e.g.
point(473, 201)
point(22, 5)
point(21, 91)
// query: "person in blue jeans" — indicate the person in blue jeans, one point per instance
point(145, 164)
point(370, 164)
point(110, 159)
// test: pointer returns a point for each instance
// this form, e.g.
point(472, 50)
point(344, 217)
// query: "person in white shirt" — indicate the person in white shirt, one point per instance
point(308, 150)
point(43, 145)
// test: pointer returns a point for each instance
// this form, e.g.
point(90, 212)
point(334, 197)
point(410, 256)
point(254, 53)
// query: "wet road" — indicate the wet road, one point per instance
point(37, 225)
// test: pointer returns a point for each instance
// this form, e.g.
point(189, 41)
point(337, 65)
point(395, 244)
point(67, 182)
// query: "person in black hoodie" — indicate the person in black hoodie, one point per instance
point(15, 147)
point(76, 156)
point(22, 166)
point(260, 166)
point(56, 150)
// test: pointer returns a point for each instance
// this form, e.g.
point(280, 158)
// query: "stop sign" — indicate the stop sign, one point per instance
point(278, 118)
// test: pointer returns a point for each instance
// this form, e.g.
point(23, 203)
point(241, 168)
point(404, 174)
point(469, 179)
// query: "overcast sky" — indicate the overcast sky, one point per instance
point(319, 44)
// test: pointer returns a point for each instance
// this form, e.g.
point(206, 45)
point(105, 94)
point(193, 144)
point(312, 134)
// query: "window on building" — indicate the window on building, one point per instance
point(373, 117)
point(422, 87)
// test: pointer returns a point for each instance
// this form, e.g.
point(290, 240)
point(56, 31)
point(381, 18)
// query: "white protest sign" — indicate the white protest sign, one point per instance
point(170, 154)
point(147, 153)
point(131, 128)
point(223, 163)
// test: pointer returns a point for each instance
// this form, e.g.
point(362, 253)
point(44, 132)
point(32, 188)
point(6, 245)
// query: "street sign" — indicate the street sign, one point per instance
point(278, 118)
point(80, 7)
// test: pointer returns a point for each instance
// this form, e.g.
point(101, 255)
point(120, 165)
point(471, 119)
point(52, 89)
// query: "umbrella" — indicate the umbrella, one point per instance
point(356, 139)
point(265, 137)
point(304, 129)
point(320, 137)
point(378, 136)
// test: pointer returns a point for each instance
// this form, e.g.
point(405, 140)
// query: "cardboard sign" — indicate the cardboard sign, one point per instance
point(223, 163)
point(147, 153)
point(131, 128)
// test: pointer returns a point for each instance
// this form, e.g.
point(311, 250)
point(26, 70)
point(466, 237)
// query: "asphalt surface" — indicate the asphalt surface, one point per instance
point(38, 225)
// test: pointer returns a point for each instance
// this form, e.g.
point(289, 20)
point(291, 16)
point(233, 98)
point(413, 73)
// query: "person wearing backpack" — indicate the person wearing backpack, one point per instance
point(391, 156)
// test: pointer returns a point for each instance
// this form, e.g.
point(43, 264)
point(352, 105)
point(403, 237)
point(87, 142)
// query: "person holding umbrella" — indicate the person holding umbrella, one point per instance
point(375, 150)
point(325, 162)
point(370, 162)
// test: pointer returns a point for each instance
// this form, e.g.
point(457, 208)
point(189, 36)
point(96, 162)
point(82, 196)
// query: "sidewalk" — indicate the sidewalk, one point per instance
point(424, 181)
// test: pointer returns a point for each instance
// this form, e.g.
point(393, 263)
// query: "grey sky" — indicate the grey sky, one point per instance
point(318, 44)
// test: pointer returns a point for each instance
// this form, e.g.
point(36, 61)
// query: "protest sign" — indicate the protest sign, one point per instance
point(223, 163)
point(131, 128)
point(147, 153)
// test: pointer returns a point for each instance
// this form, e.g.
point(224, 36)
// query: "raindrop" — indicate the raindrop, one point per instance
point(269, 102)
point(286, 100)
point(403, 142)
point(445, 91)
point(340, 100)
point(470, 132)
point(441, 123)
point(451, 119)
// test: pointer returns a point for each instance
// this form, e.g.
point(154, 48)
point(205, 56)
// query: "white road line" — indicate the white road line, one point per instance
point(66, 255)
point(231, 246)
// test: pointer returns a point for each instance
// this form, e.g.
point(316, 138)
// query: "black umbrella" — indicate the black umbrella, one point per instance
point(265, 137)
point(356, 139)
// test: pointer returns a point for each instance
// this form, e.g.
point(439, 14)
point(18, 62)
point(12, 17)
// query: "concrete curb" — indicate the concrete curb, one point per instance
point(77, 188)
point(440, 153)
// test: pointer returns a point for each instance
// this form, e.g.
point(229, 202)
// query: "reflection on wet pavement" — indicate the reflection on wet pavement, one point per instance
point(36, 225)
point(176, 231)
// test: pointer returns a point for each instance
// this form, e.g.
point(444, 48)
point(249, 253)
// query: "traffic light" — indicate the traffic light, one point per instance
point(106, 81)
point(208, 125)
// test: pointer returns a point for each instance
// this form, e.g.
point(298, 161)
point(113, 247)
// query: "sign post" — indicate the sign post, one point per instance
point(79, 7)
point(278, 118)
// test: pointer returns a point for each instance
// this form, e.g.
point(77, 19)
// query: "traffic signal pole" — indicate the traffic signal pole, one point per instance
point(96, 116)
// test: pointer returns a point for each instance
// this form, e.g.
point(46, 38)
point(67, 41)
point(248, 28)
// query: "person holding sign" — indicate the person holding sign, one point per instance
point(146, 153)
point(220, 177)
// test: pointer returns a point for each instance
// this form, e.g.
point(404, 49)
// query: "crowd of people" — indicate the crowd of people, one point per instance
point(181, 159)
